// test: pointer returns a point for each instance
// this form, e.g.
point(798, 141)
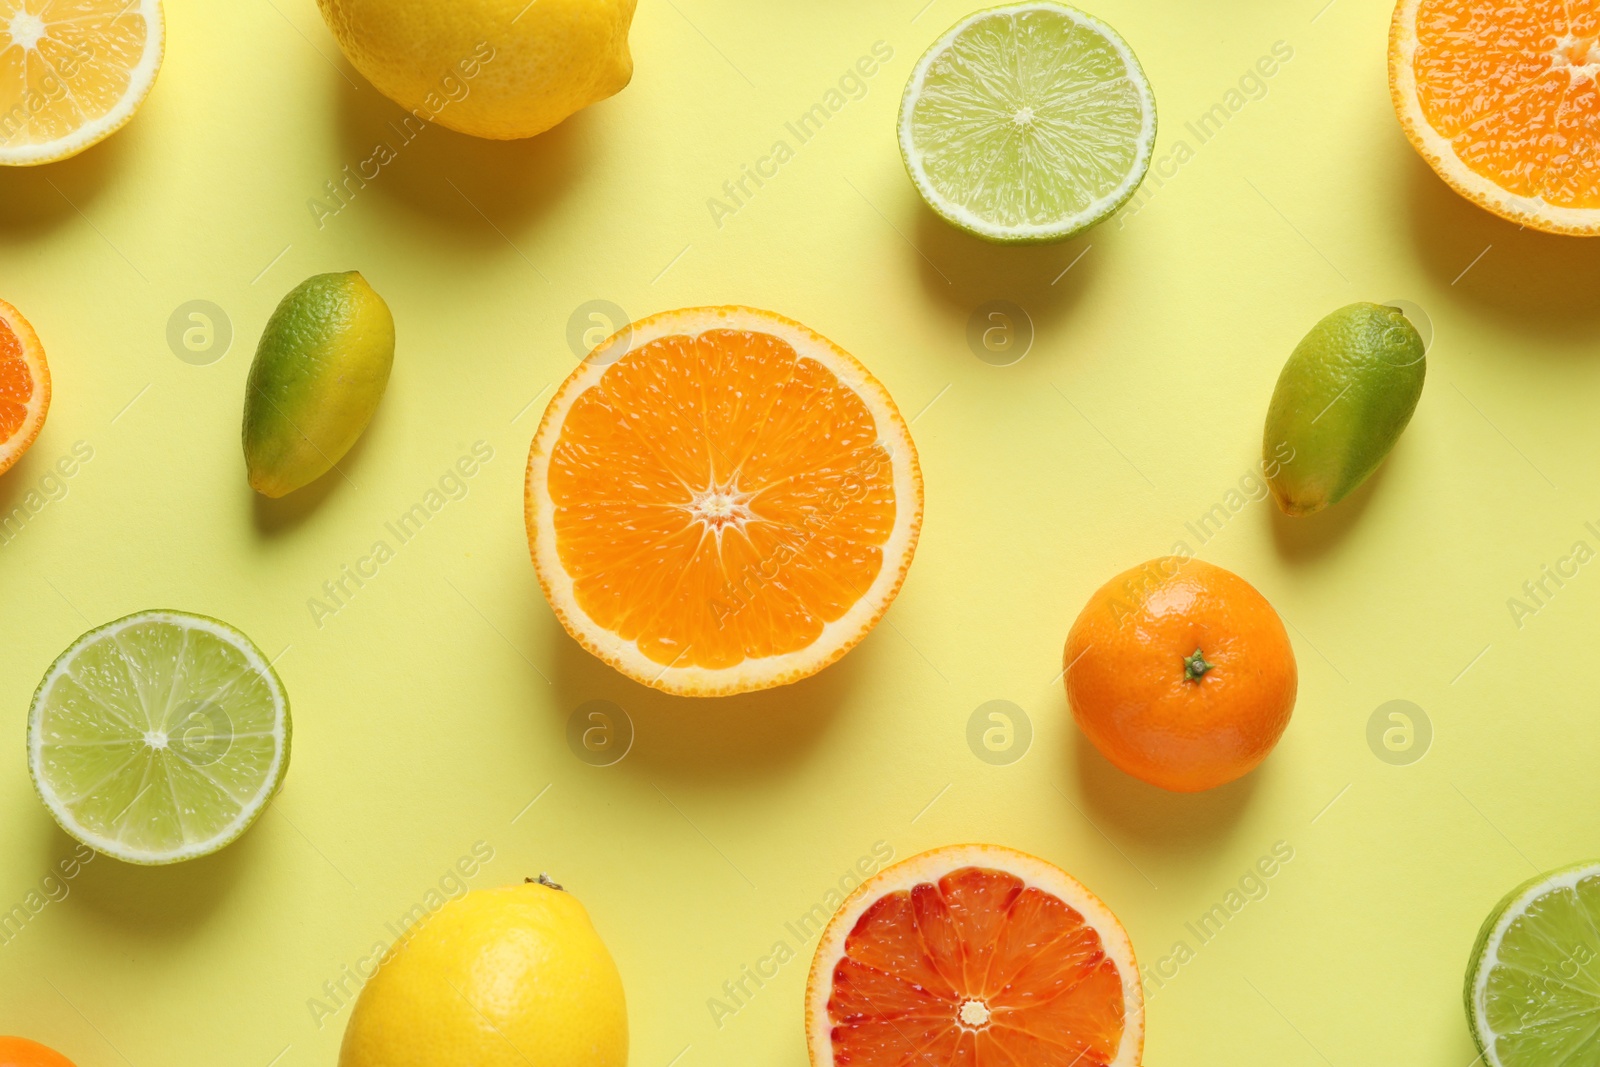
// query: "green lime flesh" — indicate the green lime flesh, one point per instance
point(1028, 122)
point(319, 373)
point(1533, 980)
point(1342, 401)
point(159, 737)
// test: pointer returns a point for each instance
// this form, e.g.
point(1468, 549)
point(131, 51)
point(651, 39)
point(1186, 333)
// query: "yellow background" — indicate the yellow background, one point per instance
point(432, 709)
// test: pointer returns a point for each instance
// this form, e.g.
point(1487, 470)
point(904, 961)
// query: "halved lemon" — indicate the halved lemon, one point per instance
point(978, 956)
point(721, 500)
point(24, 386)
point(1501, 100)
point(72, 73)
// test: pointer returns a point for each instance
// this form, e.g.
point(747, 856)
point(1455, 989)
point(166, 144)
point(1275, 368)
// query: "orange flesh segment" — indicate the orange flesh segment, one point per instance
point(720, 498)
point(16, 383)
point(74, 74)
point(1512, 86)
point(1049, 994)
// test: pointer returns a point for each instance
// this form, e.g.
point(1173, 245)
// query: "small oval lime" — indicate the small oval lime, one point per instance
point(319, 372)
point(1342, 400)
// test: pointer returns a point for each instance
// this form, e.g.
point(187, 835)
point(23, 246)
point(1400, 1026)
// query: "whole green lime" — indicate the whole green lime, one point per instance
point(319, 372)
point(1341, 402)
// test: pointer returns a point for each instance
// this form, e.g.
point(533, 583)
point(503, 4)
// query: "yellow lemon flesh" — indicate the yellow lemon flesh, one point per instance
point(498, 978)
point(72, 74)
point(502, 69)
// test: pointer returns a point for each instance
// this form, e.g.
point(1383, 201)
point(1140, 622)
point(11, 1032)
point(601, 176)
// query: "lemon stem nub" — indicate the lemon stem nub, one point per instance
point(545, 880)
point(1195, 666)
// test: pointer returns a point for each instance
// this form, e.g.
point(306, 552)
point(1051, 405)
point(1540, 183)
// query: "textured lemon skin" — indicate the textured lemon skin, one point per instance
point(498, 978)
point(1341, 402)
point(501, 69)
point(320, 370)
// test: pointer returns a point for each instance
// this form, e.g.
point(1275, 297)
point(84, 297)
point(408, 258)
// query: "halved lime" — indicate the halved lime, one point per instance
point(1533, 982)
point(1028, 122)
point(159, 737)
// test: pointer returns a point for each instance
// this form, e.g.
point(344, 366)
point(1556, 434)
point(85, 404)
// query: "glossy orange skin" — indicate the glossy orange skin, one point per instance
point(20, 1052)
point(1127, 685)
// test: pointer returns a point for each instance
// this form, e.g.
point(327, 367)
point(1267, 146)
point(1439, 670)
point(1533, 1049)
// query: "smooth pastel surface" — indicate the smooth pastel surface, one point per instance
point(432, 702)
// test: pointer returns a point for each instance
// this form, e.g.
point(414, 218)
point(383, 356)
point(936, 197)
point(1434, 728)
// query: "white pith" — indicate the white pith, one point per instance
point(1567, 879)
point(140, 80)
point(248, 812)
point(1533, 211)
point(1094, 212)
point(721, 505)
point(929, 867)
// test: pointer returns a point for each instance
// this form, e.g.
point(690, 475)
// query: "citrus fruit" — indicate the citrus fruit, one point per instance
point(974, 955)
point(24, 386)
point(159, 737)
point(502, 69)
point(72, 73)
point(501, 977)
point(1181, 674)
point(20, 1052)
point(319, 372)
point(721, 500)
point(1342, 401)
point(1028, 122)
point(1501, 100)
point(1533, 981)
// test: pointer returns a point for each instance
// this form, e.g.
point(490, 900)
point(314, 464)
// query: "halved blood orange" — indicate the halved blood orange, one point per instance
point(1501, 100)
point(978, 956)
point(24, 386)
point(720, 500)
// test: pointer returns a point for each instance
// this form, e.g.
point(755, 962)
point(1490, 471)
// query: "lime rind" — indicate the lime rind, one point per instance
point(159, 737)
point(1078, 144)
point(1532, 996)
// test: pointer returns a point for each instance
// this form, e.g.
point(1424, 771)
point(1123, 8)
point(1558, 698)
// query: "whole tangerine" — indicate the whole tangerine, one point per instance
point(1181, 674)
point(20, 1052)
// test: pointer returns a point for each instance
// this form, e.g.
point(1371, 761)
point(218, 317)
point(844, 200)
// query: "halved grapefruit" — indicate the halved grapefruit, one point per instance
point(24, 386)
point(979, 956)
point(720, 500)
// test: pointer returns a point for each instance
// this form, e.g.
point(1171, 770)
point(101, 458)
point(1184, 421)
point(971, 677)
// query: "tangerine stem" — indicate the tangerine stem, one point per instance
point(1195, 666)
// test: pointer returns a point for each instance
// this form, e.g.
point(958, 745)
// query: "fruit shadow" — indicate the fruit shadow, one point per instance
point(733, 739)
point(159, 902)
point(1190, 823)
point(1540, 285)
point(35, 200)
point(275, 517)
point(479, 190)
point(960, 272)
point(23, 477)
point(1307, 538)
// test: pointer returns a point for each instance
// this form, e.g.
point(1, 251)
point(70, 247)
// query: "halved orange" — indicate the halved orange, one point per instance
point(24, 386)
point(720, 500)
point(1500, 99)
point(978, 956)
point(72, 73)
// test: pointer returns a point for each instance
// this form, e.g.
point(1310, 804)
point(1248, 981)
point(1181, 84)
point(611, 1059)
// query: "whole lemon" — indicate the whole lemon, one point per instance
point(502, 69)
point(498, 978)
